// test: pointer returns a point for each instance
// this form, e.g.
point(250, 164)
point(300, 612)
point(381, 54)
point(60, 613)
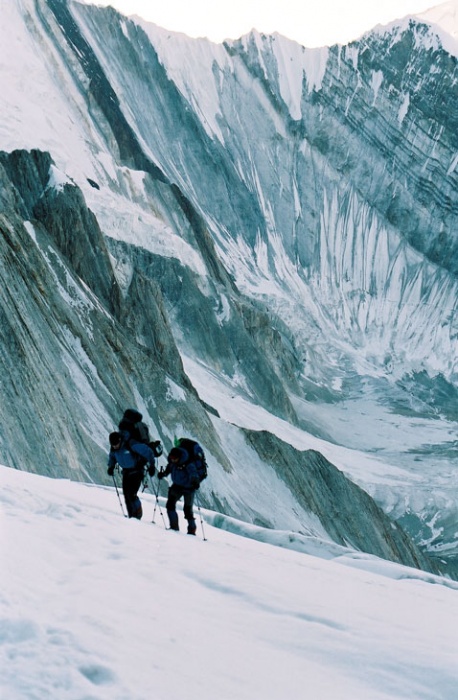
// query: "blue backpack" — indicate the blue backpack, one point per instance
point(132, 424)
point(196, 455)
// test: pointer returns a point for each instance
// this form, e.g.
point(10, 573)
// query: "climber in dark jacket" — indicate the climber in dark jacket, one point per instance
point(185, 482)
point(131, 457)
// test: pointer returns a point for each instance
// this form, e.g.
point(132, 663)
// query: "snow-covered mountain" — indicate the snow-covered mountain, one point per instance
point(254, 243)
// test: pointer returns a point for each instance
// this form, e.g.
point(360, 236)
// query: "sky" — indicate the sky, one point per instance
point(309, 22)
point(95, 606)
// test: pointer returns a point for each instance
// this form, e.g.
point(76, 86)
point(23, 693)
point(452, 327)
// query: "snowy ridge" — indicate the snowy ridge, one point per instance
point(198, 79)
point(444, 19)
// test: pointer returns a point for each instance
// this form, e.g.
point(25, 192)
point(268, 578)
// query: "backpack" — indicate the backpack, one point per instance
point(138, 431)
point(196, 455)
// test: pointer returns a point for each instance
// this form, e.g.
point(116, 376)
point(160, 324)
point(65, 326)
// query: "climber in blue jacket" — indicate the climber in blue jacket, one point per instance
point(185, 482)
point(131, 457)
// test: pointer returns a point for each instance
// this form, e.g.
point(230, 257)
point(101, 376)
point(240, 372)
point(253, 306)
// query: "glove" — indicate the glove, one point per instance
point(195, 483)
point(160, 474)
point(110, 471)
point(151, 470)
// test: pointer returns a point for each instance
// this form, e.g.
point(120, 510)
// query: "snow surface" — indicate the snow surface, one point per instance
point(95, 606)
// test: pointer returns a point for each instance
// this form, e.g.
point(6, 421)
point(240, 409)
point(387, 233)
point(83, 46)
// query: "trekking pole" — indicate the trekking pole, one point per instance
point(119, 497)
point(157, 501)
point(200, 516)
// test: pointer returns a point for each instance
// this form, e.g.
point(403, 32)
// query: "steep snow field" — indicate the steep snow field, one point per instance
point(94, 606)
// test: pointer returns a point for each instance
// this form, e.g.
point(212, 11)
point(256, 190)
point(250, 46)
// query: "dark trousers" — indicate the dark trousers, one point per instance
point(175, 493)
point(131, 482)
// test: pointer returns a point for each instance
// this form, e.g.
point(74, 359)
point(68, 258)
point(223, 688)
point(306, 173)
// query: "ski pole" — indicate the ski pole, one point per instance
point(200, 516)
point(119, 497)
point(157, 501)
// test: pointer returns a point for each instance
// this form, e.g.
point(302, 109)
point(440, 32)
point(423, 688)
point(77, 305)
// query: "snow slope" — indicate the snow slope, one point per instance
point(94, 606)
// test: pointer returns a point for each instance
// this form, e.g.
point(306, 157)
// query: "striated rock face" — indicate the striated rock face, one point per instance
point(252, 235)
point(74, 351)
point(77, 235)
point(328, 190)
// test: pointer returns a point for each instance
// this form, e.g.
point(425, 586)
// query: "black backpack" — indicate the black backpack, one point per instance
point(132, 423)
point(196, 455)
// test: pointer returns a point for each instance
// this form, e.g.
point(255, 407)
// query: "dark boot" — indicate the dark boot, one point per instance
point(173, 519)
point(134, 508)
point(137, 510)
